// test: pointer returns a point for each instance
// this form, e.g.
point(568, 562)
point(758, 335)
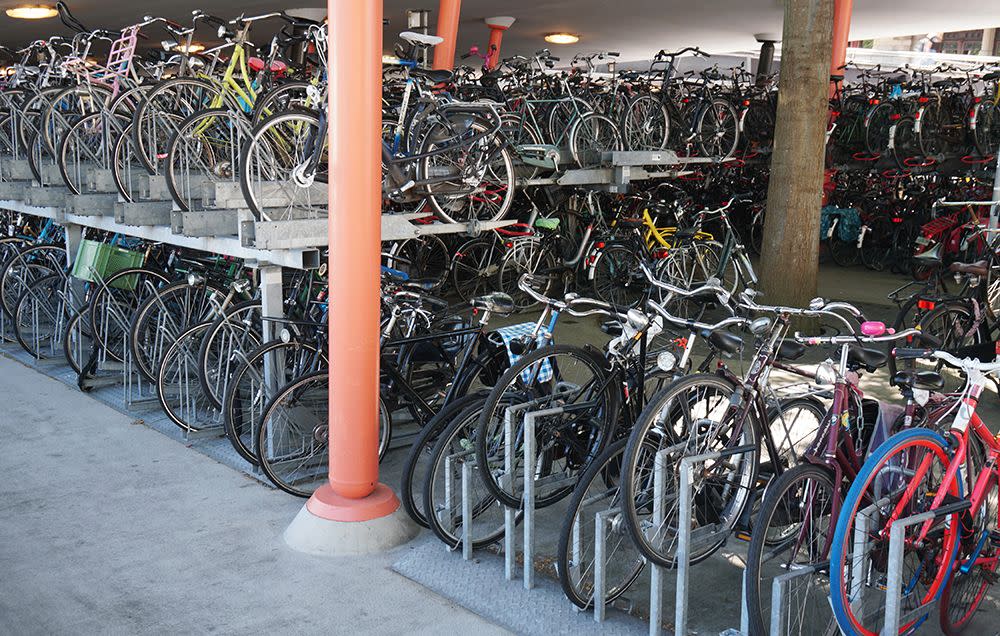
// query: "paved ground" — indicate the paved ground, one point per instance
point(108, 527)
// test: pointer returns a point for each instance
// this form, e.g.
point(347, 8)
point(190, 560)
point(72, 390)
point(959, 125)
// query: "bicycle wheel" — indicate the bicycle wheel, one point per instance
point(226, 344)
point(843, 253)
point(954, 325)
point(87, 145)
point(590, 136)
point(975, 572)
point(254, 383)
point(115, 301)
point(160, 112)
point(204, 150)
point(526, 255)
point(597, 493)
point(77, 341)
point(416, 464)
point(646, 124)
point(791, 531)
point(617, 277)
point(275, 174)
point(793, 425)
point(426, 258)
point(471, 180)
point(688, 417)
point(569, 379)
point(443, 486)
point(987, 133)
point(899, 479)
point(177, 388)
point(163, 316)
point(561, 116)
point(876, 128)
point(717, 129)
point(27, 266)
point(126, 167)
point(474, 268)
point(40, 316)
point(293, 438)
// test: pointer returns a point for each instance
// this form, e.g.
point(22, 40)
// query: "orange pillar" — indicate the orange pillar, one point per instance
point(842, 10)
point(355, 63)
point(447, 28)
point(493, 49)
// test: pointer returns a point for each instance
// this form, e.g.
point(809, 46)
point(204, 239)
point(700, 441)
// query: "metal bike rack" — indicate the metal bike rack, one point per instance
point(894, 615)
point(781, 588)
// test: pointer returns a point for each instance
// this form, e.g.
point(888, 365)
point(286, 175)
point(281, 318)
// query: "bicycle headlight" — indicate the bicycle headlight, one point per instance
point(194, 279)
point(760, 325)
point(666, 361)
point(825, 373)
point(286, 336)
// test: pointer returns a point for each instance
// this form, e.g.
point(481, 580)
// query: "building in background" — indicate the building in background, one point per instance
point(972, 42)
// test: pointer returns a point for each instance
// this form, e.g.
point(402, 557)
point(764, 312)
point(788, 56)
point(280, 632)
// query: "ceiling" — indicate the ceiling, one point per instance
point(637, 28)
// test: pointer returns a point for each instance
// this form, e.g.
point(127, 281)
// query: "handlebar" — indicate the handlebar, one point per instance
point(839, 340)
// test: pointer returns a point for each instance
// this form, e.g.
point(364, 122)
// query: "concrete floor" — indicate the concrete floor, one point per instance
point(108, 527)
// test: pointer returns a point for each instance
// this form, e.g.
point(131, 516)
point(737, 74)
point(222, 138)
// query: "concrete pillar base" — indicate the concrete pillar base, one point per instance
point(312, 533)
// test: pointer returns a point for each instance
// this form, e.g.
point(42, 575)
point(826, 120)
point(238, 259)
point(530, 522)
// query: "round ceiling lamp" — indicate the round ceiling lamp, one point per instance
point(32, 12)
point(562, 38)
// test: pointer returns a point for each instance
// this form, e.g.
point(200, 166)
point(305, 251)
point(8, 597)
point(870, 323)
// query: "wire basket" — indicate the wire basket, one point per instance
point(96, 262)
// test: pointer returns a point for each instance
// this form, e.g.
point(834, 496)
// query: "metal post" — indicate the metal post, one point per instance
point(510, 514)
point(353, 492)
point(601, 522)
point(683, 543)
point(466, 509)
point(656, 574)
point(447, 28)
point(995, 208)
point(529, 500)
point(894, 575)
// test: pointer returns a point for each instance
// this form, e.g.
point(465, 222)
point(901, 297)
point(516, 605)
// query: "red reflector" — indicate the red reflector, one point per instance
point(599, 245)
point(923, 100)
point(976, 100)
point(896, 219)
point(509, 244)
point(746, 102)
point(874, 102)
point(972, 112)
point(894, 116)
point(925, 304)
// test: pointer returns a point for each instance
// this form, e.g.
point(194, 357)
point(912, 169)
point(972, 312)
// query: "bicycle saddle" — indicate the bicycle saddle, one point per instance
point(943, 83)
point(725, 342)
point(421, 284)
point(420, 38)
point(870, 359)
point(896, 79)
point(629, 223)
point(923, 379)
point(436, 76)
point(496, 303)
point(979, 268)
point(790, 350)
point(989, 77)
point(836, 78)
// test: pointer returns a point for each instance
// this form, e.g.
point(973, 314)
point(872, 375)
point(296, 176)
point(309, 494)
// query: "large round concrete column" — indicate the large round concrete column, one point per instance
point(353, 513)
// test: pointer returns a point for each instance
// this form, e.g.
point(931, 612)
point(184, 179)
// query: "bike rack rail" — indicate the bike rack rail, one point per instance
point(894, 595)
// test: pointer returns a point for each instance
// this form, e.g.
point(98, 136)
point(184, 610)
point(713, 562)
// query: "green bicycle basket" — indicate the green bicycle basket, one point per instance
point(96, 262)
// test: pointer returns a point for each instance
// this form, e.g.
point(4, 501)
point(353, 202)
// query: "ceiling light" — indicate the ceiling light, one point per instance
point(562, 38)
point(32, 12)
point(194, 47)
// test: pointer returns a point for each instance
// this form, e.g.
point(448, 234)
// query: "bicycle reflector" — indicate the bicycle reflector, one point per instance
point(926, 305)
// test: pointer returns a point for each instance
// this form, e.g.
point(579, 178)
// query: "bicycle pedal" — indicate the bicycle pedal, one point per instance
point(742, 536)
point(995, 538)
